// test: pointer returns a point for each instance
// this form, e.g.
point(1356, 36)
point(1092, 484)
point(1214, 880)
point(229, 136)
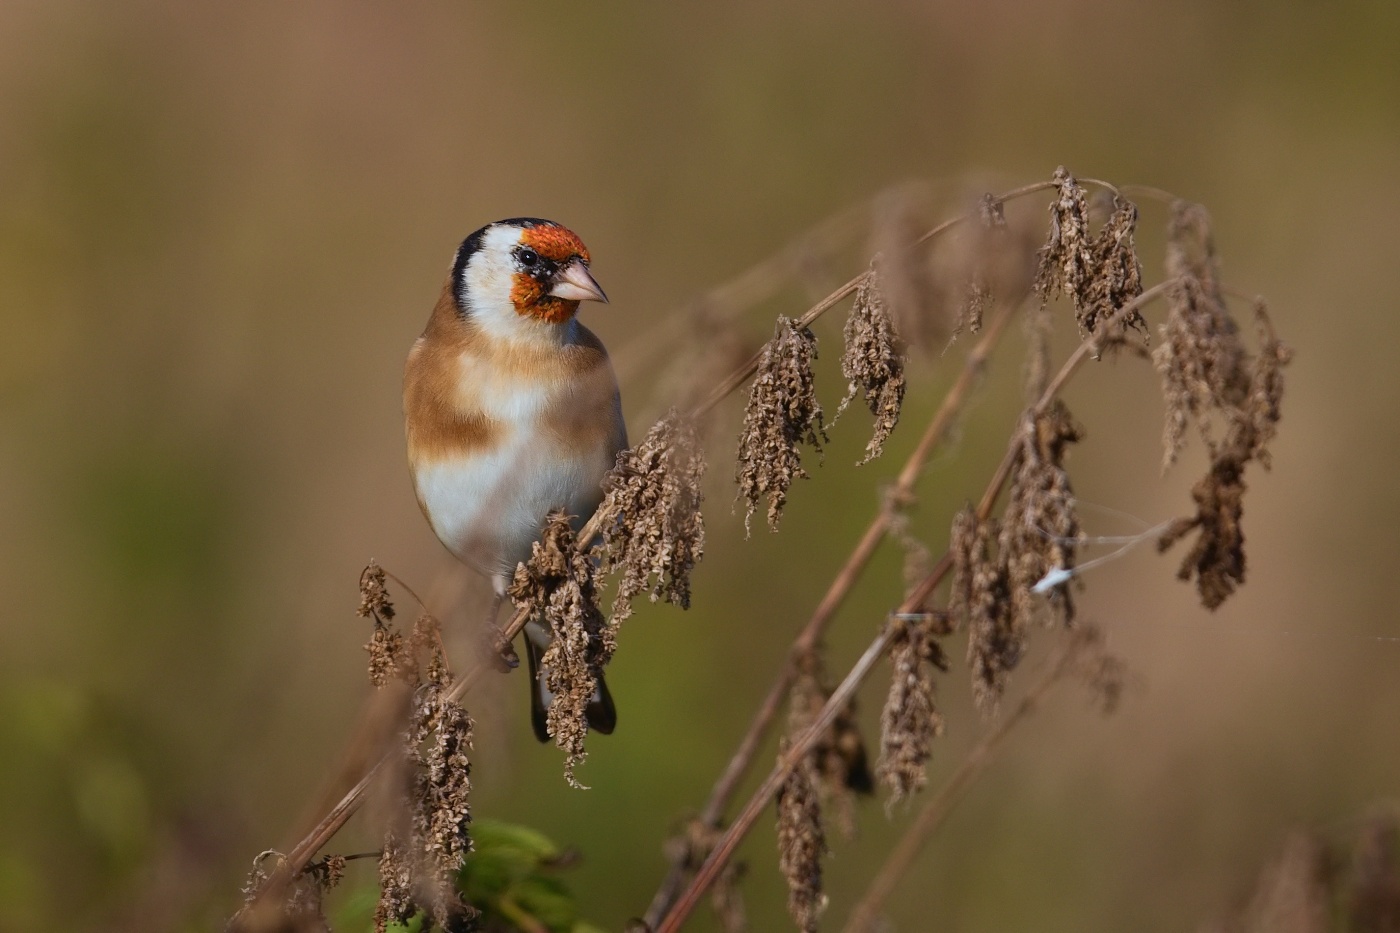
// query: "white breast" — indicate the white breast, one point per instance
point(488, 507)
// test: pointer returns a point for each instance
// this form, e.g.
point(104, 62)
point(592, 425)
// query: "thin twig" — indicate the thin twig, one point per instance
point(724, 849)
point(868, 909)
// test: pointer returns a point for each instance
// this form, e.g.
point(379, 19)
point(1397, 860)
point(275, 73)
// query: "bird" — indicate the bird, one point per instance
point(512, 410)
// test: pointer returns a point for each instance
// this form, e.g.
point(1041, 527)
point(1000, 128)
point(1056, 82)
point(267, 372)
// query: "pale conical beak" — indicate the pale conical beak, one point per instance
point(575, 283)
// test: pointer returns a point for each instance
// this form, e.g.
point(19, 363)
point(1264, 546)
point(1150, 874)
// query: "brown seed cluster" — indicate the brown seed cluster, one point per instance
point(1102, 672)
point(1117, 273)
point(1098, 273)
point(1315, 884)
point(656, 531)
point(388, 653)
point(981, 598)
point(873, 361)
point(1209, 380)
point(1067, 259)
point(782, 414)
point(424, 849)
point(1039, 529)
point(911, 720)
point(998, 563)
point(302, 909)
point(918, 562)
point(909, 287)
point(557, 584)
point(802, 844)
point(1202, 360)
point(989, 243)
point(689, 849)
point(838, 757)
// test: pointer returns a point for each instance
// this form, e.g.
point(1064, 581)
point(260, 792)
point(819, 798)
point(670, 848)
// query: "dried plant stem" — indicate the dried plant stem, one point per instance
point(845, 580)
point(738, 377)
point(901, 857)
point(914, 602)
point(749, 288)
point(741, 375)
point(303, 852)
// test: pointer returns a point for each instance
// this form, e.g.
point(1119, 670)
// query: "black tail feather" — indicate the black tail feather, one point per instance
point(600, 713)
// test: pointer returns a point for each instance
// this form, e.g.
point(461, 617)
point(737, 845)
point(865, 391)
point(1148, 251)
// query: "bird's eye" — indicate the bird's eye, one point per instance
point(528, 257)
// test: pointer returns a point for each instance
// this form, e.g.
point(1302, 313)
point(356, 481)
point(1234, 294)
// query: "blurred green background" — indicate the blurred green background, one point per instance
point(221, 226)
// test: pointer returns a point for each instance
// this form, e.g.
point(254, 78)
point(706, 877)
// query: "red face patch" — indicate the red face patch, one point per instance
point(556, 243)
point(529, 298)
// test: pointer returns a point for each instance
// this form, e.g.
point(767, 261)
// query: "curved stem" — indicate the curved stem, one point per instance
point(1147, 191)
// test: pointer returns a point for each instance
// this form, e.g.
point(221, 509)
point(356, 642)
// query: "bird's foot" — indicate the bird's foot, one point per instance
point(500, 651)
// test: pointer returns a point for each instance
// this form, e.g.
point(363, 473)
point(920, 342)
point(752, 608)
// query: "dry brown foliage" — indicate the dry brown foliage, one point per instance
point(1004, 567)
point(1314, 884)
point(873, 362)
point(783, 414)
point(557, 585)
point(1039, 528)
point(802, 845)
point(838, 757)
point(910, 720)
point(656, 532)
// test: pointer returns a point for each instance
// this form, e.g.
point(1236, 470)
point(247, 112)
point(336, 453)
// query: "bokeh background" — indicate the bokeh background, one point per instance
point(221, 225)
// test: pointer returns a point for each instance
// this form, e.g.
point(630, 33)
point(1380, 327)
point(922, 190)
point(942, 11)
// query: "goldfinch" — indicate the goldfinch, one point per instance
point(511, 409)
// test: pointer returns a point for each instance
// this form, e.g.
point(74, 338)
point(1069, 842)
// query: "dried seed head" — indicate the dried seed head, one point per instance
point(1116, 277)
point(1216, 560)
point(658, 533)
point(802, 844)
point(374, 594)
point(1067, 259)
point(782, 413)
point(1292, 894)
point(388, 655)
point(300, 910)
point(965, 549)
point(988, 244)
point(690, 849)
point(1202, 361)
point(918, 562)
point(908, 288)
point(838, 757)
point(396, 903)
point(873, 361)
point(981, 597)
point(328, 871)
point(558, 583)
point(424, 849)
point(1040, 530)
point(445, 808)
point(1104, 674)
point(1374, 900)
point(1191, 248)
point(1266, 386)
point(1208, 375)
point(426, 641)
point(911, 720)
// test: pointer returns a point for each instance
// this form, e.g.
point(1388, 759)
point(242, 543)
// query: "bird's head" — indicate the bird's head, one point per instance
point(522, 269)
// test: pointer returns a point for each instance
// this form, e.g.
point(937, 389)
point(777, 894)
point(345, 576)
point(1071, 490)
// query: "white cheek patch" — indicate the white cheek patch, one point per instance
point(489, 279)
